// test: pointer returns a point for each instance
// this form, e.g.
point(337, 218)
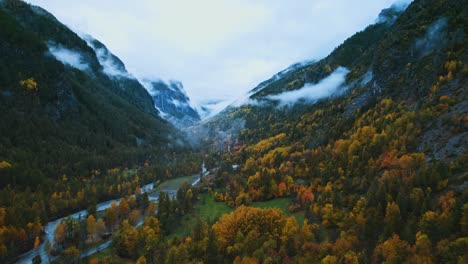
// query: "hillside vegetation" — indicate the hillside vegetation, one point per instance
point(375, 172)
point(379, 169)
point(69, 131)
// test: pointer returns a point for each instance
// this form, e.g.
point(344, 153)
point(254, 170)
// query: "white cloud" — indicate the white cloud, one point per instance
point(209, 108)
point(402, 4)
point(329, 86)
point(68, 57)
point(109, 65)
point(435, 35)
point(218, 48)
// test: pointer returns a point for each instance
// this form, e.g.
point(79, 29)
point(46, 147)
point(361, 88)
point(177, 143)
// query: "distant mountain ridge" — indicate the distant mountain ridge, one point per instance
point(67, 105)
point(112, 65)
point(172, 101)
point(280, 74)
point(368, 142)
point(400, 57)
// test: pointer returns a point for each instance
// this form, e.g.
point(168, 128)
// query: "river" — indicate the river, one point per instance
point(49, 229)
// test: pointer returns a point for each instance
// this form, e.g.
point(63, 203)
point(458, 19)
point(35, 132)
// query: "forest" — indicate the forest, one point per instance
point(376, 174)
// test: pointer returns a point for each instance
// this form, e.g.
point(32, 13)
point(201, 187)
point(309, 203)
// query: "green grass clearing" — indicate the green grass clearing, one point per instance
point(174, 183)
point(129, 173)
point(283, 204)
point(101, 254)
point(108, 252)
point(206, 209)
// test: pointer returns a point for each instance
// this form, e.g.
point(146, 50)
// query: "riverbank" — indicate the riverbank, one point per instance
point(169, 186)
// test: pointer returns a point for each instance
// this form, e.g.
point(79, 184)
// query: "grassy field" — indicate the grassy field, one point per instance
point(101, 255)
point(283, 204)
point(170, 186)
point(206, 209)
point(175, 183)
point(129, 173)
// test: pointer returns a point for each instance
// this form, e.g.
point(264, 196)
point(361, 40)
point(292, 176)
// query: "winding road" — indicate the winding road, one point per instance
point(49, 229)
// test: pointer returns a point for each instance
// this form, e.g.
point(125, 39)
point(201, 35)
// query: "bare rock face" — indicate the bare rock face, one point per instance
point(172, 102)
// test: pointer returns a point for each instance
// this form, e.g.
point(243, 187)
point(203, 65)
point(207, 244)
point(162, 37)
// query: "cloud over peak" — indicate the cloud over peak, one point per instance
point(327, 87)
point(218, 48)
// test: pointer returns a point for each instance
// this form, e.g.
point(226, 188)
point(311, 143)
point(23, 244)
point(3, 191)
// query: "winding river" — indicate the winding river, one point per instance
point(49, 229)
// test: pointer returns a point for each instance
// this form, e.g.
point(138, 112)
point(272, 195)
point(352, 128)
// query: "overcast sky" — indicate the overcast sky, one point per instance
point(219, 49)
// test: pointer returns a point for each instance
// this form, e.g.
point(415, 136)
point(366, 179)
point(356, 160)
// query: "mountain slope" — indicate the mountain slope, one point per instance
point(119, 77)
point(386, 60)
point(174, 104)
point(61, 113)
point(377, 165)
point(169, 98)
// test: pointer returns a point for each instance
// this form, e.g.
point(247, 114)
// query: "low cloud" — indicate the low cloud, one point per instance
point(434, 38)
point(281, 74)
point(110, 64)
point(312, 92)
point(367, 78)
point(247, 101)
point(68, 57)
point(250, 41)
point(390, 15)
point(210, 108)
point(218, 136)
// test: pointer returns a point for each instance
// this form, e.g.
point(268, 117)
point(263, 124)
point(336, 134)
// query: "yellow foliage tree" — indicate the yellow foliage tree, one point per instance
point(248, 220)
point(5, 165)
point(100, 228)
point(60, 233)
point(141, 260)
point(91, 227)
point(37, 242)
point(29, 84)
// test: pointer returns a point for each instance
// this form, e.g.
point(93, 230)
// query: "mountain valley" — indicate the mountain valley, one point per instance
point(359, 157)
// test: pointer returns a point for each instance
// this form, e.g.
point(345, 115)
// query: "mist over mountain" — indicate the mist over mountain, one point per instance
point(172, 102)
point(111, 64)
point(82, 95)
point(170, 99)
point(358, 157)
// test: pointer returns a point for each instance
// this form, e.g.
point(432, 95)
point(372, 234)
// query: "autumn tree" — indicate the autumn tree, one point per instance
point(133, 217)
point(151, 209)
point(37, 242)
point(254, 225)
point(91, 227)
point(392, 219)
point(111, 216)
point(124, 207)
point(151, 235)
point(464, 220)
point(100, 228)
point(422, 250)
point(71, 254)
point(393, 250)
point(126, 240)
point(29, 84)
point(60, 233)
point(141, 260)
